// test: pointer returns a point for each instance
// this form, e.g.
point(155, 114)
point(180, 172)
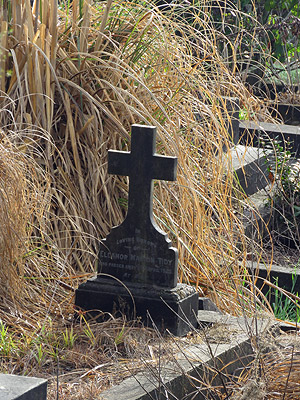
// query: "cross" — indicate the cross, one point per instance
point(142, 165)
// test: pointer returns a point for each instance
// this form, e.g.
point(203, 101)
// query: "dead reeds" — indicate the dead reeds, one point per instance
point(79, 75)
point(84, 73)
point(16, 205)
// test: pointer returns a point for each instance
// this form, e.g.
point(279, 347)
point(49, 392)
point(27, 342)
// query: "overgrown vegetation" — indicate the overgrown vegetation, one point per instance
point(73, 80)
point(71, 93)
point(263, 35)
point(284, 174)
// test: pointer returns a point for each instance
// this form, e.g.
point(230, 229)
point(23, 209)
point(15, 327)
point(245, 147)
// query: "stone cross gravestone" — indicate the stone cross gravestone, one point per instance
point(137, 250)
point(137, 267)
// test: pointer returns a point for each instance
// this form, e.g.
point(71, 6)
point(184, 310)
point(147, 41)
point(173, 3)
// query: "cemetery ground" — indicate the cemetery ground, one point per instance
point(74, 79)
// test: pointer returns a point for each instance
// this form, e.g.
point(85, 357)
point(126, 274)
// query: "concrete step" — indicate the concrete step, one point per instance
point(257, 213)
point(250, 168)
point(14, 387)
point(251, 131)
point(288, 112)
point(287, 277)
point(280, 276)
point(225, 347)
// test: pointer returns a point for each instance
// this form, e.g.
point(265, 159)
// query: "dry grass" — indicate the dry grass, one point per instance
point(84, 82)
point(73, 80)
point(275, 372)
point(16, 204)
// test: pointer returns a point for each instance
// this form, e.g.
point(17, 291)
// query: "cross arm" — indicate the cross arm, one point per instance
point(165, 168)
point(118, 162)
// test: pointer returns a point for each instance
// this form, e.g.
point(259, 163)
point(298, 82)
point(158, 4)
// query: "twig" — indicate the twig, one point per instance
point(288, 377)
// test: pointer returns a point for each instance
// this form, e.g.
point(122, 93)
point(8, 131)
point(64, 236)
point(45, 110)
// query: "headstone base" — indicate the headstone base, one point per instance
point(172, 309)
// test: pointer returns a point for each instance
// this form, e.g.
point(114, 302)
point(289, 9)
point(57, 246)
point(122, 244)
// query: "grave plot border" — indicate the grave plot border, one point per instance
point(16, 387)
point(182, 377)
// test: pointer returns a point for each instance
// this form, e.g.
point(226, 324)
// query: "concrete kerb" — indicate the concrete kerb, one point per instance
point(251, 131)
point(257, 214)
point(194, 364)
point(249, 167)
point(14, 387)
point(286, 277)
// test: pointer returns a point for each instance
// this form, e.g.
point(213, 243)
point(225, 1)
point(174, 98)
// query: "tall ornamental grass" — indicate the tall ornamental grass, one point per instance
point(74, 78)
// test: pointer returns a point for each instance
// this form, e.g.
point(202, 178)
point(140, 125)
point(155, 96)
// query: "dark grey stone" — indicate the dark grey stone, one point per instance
point(137, 250)
point(251, 132)
point(14, 387)
point(137, 266)
point(233, 108)
point(287, 278)
point(207, 304)
point(256, 215)
point(250, 168)
point(172, 309)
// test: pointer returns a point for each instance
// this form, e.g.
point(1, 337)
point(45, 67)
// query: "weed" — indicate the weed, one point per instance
point(54, 352)
point(69, 338)
point(7, 343)
point(39, 354)
point(285, 304)
point(284, 307)
point(285, 197)
point(90, 335)
point(78, 78)
point(119, 339)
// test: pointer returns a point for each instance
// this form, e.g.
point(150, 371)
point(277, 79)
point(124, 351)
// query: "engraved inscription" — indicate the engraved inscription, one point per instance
point(136, 241)
point(137, 259)
point(113, 256)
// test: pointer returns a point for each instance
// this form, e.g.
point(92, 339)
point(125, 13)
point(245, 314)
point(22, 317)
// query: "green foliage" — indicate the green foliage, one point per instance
point(281, 22)
point(120, 336)
point(7, 344)
point(285, 197)
point(69, 338)
point(260, 36)
point(43, 346)
point(90, 335)
point(39, 354)
point(284, 307)
point(278, 162)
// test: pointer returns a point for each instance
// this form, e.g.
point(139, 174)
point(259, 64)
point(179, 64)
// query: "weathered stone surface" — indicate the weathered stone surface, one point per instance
point(137, 266)
point(250, 133)
point(250, 168)
point(185, 376)
point(287, 278)
point(14, 387)
point(137, 250)
point(140, 256)
point(173, 309)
